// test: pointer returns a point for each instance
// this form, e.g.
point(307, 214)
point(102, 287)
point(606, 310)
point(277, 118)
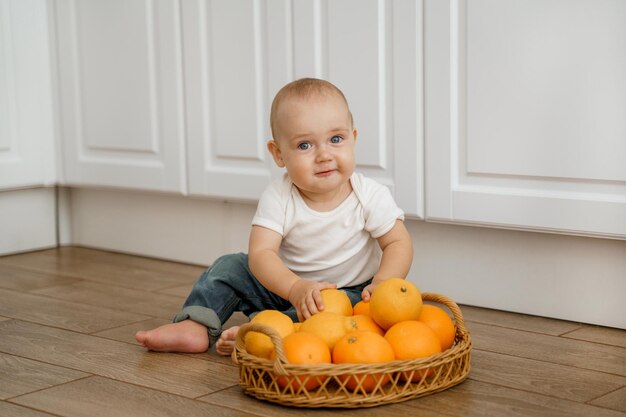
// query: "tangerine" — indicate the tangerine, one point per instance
point(440, 322)
point(412, 339)
point(363, 346)
point(336, 301)
point(304, 348)
point(395, 300)
point(260, 344)
point(329, 326)
point(361, 307)
point(363, 322)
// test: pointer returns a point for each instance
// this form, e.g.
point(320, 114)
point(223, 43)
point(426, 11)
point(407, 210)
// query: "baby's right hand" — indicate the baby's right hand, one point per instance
point(306, 298)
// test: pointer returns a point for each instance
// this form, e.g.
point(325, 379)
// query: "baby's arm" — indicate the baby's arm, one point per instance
point(274, 275)
point(397, 257)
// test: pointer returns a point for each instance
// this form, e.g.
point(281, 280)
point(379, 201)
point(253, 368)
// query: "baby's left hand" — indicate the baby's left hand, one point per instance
point(367, 292)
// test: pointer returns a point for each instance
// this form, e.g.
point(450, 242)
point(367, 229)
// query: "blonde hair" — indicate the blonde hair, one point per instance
point(303, 88)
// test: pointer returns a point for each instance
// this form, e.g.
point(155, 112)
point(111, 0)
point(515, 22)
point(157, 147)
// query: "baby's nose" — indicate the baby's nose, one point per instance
point(323, 153)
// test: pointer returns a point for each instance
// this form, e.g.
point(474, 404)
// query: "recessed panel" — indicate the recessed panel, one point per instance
point(5, 94)
point(115, 43)
point(237, 80)
point(356, 54)
point(120, 92)
point(546, 88)
point(26, 133)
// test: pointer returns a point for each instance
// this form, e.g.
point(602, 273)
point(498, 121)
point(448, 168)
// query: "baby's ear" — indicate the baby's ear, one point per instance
point(354, 133)
point(273, 148)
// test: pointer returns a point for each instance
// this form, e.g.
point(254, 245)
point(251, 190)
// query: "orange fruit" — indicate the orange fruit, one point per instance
point(308, 349)
point(296, 326)
point(395, 300)
point(440, 322)
point(336, 301)
point(361, 308)
point(363, 346)
point(329, 326)
point(260, 344)
point(412, 339)
point(363, 322)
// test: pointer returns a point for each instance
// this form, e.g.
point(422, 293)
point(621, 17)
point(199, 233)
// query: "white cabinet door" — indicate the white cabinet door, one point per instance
point(238, 54)
point(121, 93)
point(526, 114)
point(27, 156)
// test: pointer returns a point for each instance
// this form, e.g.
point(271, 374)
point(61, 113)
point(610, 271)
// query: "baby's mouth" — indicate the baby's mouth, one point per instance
point(324, 173)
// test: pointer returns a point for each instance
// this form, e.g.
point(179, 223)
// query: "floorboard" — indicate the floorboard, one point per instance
point(615, 400)
point(67, 348)
point(28, 375)
point(509, 320)
point(96, 396)
point(542, 377)
point(474, 398)
point(20, 279)
point(599, 334)
point(564, 351)
point(13, 410)
point(80, 317)
point(190, 377)
point(116, 298)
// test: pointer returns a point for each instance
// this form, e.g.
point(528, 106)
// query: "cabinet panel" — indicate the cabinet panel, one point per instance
point(27, 154)
point(524, 114)
point(546, 94)
point(121, 83)
point(372, 51)
point(237, 55)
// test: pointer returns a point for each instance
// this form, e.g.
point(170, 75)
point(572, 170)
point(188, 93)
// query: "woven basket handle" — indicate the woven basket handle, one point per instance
point(240, 344)
point(454, 308)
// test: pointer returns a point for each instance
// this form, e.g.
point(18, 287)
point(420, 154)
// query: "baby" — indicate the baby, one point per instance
point(319, 226)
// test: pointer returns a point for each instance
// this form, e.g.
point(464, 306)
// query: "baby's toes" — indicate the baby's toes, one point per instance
point(226, 343)
point(224, 347)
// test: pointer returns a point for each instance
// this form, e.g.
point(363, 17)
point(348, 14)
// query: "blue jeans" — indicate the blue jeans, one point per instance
point(229, 286)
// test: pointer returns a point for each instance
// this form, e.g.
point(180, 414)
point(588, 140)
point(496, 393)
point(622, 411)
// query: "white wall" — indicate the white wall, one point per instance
point(27, 220)
point(568, 277)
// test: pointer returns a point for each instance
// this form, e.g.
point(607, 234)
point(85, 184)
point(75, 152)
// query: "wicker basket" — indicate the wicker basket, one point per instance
point(258, 376)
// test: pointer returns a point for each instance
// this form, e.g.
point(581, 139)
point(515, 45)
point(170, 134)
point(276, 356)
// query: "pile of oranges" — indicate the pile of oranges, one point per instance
point(394, 324)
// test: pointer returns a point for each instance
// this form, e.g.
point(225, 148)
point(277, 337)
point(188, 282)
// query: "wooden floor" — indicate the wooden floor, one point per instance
point(67, 319)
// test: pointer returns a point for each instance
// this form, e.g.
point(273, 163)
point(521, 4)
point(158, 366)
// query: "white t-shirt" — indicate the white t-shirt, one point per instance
point(336, 246)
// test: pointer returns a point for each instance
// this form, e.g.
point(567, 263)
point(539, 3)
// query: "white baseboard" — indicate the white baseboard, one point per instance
point(159, 225)
point(581, 279)
point(566, 277)
point(27, 220)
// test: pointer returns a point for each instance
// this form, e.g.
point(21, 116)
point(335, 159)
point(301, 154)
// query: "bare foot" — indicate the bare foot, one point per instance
point(226, 343)
point(185, 336)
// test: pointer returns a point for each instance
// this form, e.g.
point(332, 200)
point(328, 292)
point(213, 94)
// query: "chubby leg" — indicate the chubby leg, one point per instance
point(185, 336)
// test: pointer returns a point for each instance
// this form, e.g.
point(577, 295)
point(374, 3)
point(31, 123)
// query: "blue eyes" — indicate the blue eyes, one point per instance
point(305, 146)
